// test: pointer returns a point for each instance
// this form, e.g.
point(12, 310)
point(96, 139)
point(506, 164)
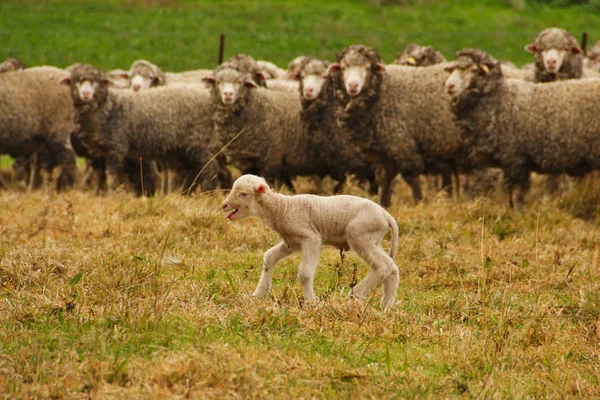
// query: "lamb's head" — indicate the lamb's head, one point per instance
point(11, 64)
point(419, 56)
point(88, 84)
point(552, 48)
point(312, 77)
point(144, 75)
point(229, 84)
point(471, 70)
point(244, 194)
point(358, 65)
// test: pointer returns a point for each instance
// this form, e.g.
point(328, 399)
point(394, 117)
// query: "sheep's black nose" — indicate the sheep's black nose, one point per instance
point(223, 206)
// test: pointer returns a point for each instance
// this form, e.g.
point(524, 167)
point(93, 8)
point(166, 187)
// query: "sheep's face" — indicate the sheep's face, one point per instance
point(140, 82)
point(355, 75)
point(312, 85)
point(240, 203)
point(460, 78)
point(553, 59)
point(85, 90)
point(144, 76)
point(229, 84)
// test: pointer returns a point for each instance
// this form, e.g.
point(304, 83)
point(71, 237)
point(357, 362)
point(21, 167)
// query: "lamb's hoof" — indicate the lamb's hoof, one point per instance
point(387, 305)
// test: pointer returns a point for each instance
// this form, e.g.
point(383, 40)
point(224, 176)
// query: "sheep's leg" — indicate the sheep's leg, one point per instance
point(415, 185)
point(385, 180)
point(272, 257)
point(447, 182)
point(116, 164)
point(308, 265)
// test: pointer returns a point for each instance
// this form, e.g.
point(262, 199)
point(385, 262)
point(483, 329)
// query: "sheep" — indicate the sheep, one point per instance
point(306, 222)
point(36, 117)
point(318, 121)
point(521, 126)
point(557, 56)
point(419, 56)
point(400, 120)
point(265, 124)
point(12, 64)
point(270, 70)
point(592, 58)
point(163, 123)
point(144, 75)
point(293, 68)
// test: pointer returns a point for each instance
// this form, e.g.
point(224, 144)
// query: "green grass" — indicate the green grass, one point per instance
point(180, 35)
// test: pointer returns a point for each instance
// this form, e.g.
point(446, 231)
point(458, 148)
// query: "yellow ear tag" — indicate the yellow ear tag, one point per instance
point(412, 61)
point(485, 69)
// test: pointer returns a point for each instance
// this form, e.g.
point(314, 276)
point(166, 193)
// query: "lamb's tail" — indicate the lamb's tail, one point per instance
point(394, 226)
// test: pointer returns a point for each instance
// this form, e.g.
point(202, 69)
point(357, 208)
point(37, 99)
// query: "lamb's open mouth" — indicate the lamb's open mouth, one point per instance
point(231, 214)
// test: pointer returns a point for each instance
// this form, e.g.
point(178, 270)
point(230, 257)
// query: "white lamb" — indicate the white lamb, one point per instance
point(306, 222)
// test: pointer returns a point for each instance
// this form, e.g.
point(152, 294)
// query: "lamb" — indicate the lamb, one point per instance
point(511, 124)
point(163, 123)
point(12, 64)
point(557, 56)
point(37, 116)
point(271, 141)
point(400, 120)
point(270, 70)
point(306, 222)
point(419, 56)
point(318, 120)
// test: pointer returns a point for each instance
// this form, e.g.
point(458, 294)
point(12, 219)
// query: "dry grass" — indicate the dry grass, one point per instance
point(121, 297)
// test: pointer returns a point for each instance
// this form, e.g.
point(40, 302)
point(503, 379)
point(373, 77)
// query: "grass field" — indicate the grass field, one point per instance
point(123, 297)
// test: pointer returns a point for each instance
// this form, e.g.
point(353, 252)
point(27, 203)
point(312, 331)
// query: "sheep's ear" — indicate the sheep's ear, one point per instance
point(333, 69)
point(250, 84)
point(107, 83)
point(66, 81)
point(209, 80)
point(576, 50)
point(124, 75)
point(531, 48)
point(411, 61)
point(262, 188)
point(484, 69)
point(380, 68)
point(450, 68)
point(294, 76)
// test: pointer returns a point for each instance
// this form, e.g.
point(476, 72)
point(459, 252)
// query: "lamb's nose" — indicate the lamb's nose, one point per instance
point(136, 87)
point(223, 206)
point(552, 62)
point(353, 85)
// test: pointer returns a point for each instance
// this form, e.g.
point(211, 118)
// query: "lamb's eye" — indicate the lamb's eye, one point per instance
point(243, 194)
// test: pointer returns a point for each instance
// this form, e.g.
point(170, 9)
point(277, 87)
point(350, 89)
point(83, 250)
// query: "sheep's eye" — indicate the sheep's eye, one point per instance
point(243, 194)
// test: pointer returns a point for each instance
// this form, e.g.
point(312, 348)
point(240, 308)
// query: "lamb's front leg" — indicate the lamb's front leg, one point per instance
point(308, 265)
point(272, 257)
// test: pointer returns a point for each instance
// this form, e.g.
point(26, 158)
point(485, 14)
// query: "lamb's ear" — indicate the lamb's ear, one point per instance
point(531, 48)
point(66, 81)
point(576, 50)
point(209, 80)
point(485, 68)
point(107, 83)
point(294, 76)
point(260, 78)
point(333, 69)
point(124, 75)
point(261, 188)
point(380, 68)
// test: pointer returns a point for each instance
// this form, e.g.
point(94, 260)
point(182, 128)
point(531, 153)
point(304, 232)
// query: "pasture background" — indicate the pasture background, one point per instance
point(117, 296)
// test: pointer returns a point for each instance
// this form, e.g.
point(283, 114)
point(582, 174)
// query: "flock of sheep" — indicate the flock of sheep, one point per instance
point(419, 115)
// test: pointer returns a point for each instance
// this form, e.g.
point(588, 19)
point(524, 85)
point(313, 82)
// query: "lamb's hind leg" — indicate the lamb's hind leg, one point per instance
point(383, 269)
point(272, 257)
